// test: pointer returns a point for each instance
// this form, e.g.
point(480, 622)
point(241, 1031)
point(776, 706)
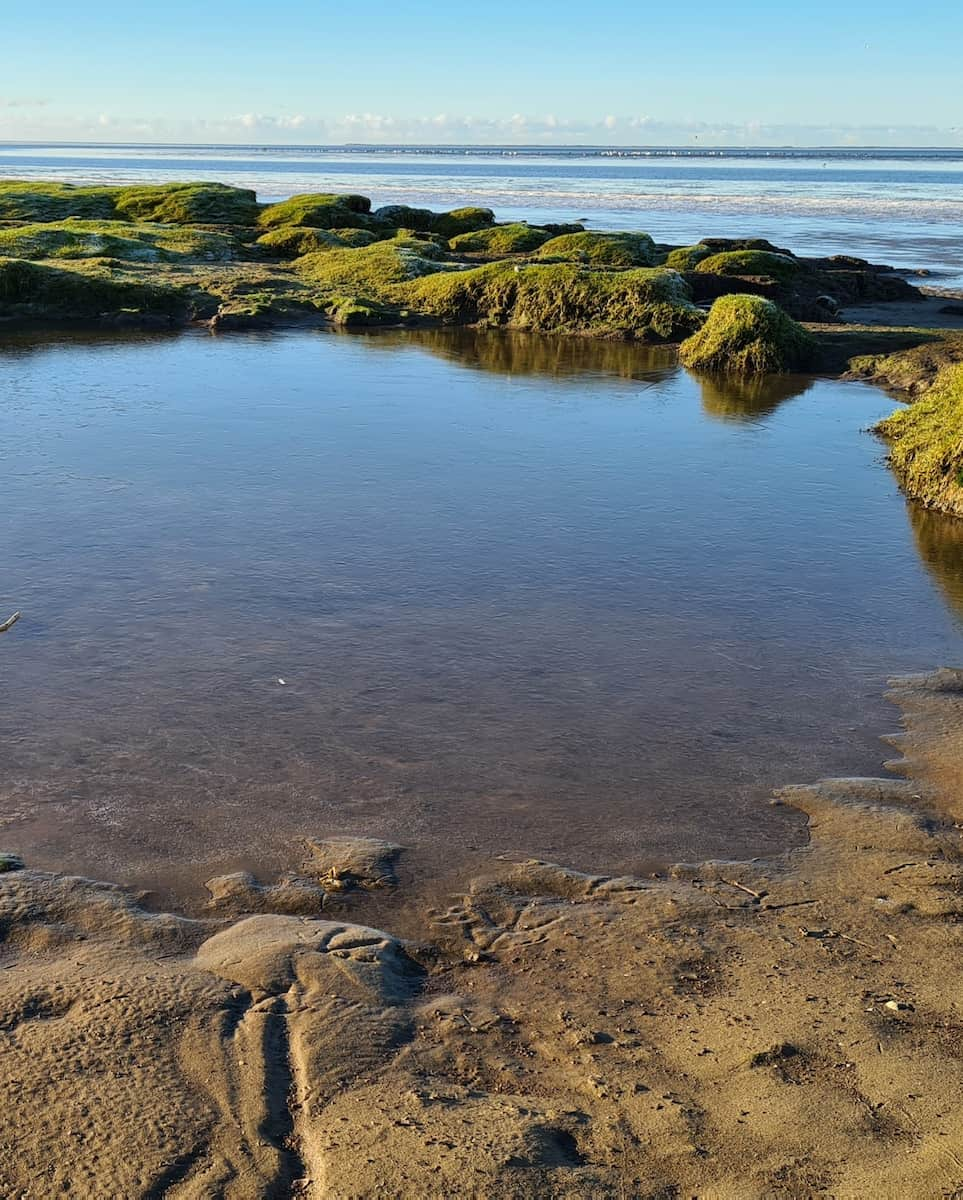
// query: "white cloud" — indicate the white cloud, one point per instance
point(17, 121)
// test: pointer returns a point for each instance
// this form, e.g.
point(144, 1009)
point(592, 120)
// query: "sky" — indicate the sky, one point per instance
point(743, 72)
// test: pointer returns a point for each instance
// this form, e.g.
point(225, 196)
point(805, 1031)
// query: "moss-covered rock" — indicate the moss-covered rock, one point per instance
point(22, 200)
point(750, 262)
point(293, 241)
point(602, 249)
point(747, 335)
point(319, 211)
point(167, 203)
point(352, 313)
point(687, 258)
point(497, 241)
point(463, 220)
point(560, 298)
point(188, 203)
point(926, 443)
point(133, 242)
point(371, 272)
point(88, 290)
point(403, 216)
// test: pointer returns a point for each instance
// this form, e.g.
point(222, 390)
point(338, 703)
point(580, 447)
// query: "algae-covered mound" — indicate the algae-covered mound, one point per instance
point(749, 262)
point(188, 204)
point(926, 442)
point(687, 258)
point(319, 212)
point(371, 272)
point(498, 241)
point(168, 203)
point(748, 335)
point(30, 289)
point(602, 249)
point(133, 242)
point(462, 220)
point(561, 298)
point(293, 241)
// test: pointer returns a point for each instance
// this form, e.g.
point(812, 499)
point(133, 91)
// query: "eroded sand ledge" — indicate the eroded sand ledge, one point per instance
point(765, 1029)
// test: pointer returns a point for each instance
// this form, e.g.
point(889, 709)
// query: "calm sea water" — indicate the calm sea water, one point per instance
point(522, 594)
point(901, 207)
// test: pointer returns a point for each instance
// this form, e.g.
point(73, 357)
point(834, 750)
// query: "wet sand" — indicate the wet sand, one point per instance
point(783, 1027)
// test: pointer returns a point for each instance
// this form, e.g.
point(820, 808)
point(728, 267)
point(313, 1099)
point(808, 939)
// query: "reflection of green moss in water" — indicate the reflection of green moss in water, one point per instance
point(519, 353)
point(749, 398)
point(939, 541)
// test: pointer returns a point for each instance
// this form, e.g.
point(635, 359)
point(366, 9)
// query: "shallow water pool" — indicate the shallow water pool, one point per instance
point(524, 595)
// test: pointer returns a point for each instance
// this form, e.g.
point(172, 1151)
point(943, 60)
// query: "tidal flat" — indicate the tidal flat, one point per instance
point(422, 672)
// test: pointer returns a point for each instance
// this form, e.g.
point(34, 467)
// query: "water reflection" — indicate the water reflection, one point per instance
point(519, 353)
point(939, 540)
point(748, 400)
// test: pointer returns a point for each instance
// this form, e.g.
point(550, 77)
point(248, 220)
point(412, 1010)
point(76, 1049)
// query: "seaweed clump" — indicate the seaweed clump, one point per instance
point(748, 335)
point(926, 442)
point(293, 241)
point(320, 211)
point(168, 203)
point(371, 272)
point(561, 298)
point(497, 241)
point(131, 241)
point(602, 249)
point(29, 289)
point(749, 262)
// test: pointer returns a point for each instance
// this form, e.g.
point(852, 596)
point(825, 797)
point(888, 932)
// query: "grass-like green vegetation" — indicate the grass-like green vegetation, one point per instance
point(560, 297)
point(167, 203)
point(498, 241)
point(749, 262)
point(319, 211)
point(29, 289)
point(129, 240)
point(748, 335)
point(926, 442)
point(371, 272)
point(293, 241)
point(602, 249)
point(687, 258)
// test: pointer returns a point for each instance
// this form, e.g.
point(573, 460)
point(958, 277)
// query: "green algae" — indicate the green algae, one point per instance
point(748, 335)
point(687, 258)
point(462, 220)
point(497, 241)
point(750, 262)
point(560, 298)
point(926, 442)
point(602, 249)
point(165, 203)
point(88, 290)
point(371, 272)
point(293, 241)
point(78, 238)
point(188, 204)
point(320, 211)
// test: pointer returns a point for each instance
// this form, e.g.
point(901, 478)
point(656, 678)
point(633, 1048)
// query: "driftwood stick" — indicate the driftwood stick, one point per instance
point(9, 622)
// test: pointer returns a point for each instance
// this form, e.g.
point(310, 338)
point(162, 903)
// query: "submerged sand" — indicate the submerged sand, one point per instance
point(780, 1028)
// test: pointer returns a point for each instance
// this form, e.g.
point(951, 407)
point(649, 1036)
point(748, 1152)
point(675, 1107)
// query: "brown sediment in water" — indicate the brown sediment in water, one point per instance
point(779, 1027)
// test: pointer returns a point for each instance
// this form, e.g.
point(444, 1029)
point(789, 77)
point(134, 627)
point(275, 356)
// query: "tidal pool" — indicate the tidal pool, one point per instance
point(473, 593)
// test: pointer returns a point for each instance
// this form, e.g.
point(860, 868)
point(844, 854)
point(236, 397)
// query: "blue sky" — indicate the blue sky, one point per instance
point(743, 72)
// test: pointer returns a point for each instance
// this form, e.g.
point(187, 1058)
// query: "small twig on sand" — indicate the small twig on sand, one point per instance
point(9, 622)
point(742, 888)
